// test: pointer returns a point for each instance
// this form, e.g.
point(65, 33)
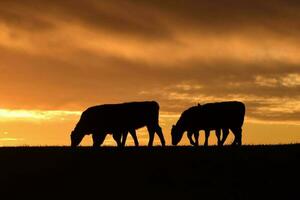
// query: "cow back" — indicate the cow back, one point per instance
point(213, 115)
point(223, 115)
point(120, 116)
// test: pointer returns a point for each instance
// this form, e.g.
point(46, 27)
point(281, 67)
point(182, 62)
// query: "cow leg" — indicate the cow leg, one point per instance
point(196, 135)
point(98, 139)
point(190, 137)
point(235, 133)
point(124, 137)
point(133, 134)
point(206, 137)
point(151, 136)
point(225, 134)
point(237, 136)
point(218, 134)
point(117, 138)
point(240, 136)
point(160, 135)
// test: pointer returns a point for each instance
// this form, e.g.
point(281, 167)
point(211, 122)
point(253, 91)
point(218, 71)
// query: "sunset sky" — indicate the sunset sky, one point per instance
point(59, 57)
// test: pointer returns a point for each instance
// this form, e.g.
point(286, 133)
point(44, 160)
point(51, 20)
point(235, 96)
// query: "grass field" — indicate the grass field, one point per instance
point(247, 172)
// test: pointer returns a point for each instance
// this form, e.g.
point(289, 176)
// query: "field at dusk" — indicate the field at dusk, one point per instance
point(59, 58)
point(247, 172)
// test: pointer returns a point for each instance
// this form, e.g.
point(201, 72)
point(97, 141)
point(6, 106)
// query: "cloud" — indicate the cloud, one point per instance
point(68, 55)
point(135, 16)
point(112, 16)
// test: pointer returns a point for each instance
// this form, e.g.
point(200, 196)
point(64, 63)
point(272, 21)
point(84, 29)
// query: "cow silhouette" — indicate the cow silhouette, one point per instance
point(118, 119)
point(211, 116)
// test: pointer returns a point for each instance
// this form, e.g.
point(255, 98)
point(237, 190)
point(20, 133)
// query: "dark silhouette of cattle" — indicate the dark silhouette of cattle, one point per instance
point(211, 116)
point(118, 119)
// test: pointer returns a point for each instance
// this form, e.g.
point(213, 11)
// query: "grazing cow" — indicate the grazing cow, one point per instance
point(211, 116)
point(118, 119)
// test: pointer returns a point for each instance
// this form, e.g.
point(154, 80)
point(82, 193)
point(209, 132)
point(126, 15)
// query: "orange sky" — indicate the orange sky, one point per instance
point(57, 58)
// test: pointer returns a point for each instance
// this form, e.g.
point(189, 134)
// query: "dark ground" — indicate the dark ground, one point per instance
point(247, 172)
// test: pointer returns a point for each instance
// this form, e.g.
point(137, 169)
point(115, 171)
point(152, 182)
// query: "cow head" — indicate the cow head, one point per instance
point(76, 138)
point(177, 134)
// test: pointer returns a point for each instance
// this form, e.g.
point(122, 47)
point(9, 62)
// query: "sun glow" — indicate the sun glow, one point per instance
point(6, 114)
